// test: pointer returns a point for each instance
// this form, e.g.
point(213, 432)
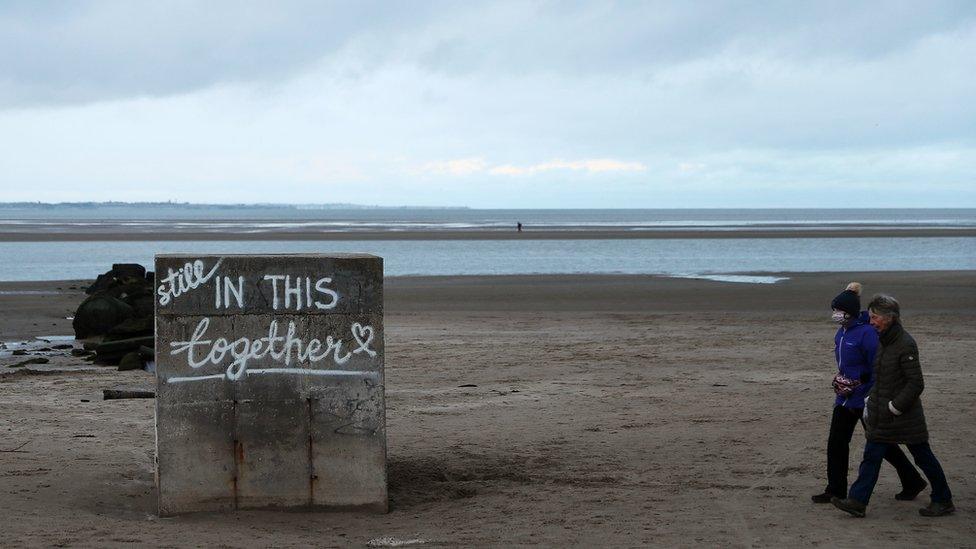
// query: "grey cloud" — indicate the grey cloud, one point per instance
point(607, 38)
point(75, 52)
point(94, 51)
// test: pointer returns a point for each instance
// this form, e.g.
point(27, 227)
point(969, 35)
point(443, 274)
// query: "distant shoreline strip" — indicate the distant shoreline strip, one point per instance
point(528, 234)
point(287, 371)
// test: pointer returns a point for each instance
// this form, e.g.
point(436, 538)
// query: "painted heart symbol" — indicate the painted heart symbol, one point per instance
point(364, 336)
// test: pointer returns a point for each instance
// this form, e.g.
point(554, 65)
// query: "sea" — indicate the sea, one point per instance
point(746, 260)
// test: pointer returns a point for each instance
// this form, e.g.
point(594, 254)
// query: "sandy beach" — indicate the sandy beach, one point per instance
point(552, 410)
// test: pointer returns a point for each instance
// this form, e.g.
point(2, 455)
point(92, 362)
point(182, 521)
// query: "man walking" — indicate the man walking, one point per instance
point(893, 414)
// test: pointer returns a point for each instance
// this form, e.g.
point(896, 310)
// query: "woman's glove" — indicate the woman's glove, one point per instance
point(843, 385)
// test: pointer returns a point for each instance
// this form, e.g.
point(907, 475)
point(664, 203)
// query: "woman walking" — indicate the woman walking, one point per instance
point(855, 346)
point(893, 414)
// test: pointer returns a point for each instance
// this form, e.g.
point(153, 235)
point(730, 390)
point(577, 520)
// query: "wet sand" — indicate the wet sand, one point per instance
point(604, 411)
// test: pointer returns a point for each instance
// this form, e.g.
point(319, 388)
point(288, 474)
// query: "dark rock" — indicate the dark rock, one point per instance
point(98, 314)
point(137, 287)
point(29, 361)
point(123, 271)
point(126, 345)
point(80, 352)
point(19, 352)
point(62, 347)
point(90, 345)
point(120, 308)
point(129, 291)
point(102, 283)
point(111, 352)
point(143, 305)
point(127, 392)
point(131, 361)
point(132, 327)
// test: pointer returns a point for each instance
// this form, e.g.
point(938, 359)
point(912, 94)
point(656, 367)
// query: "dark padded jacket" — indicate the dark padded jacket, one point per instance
point(897, 379)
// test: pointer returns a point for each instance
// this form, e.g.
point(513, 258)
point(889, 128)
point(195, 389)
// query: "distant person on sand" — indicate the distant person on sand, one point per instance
point(855, 346)
point(519, 226)
point(893, 414)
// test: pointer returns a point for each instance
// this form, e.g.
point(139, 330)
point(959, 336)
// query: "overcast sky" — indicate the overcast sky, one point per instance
point(497, 104)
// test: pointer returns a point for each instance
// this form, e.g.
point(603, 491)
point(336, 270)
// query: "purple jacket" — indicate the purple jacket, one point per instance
point(854, 350)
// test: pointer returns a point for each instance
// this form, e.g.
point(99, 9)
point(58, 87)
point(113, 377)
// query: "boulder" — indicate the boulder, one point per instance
point(128, 290)
point(98, 314)
point(143, 305)
point(121, 309)
point(130, 328)
point(130, 361)
point(122, 271)
point(102, 283)
point(111, 352)
point(147, 353)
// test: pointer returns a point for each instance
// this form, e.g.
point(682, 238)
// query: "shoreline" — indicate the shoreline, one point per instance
point(45, 286)
point(528, 234)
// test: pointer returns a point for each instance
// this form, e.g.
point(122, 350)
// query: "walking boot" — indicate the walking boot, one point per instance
point(849, 505)
point(823, 497)
point(908, 494)
point(937, 509)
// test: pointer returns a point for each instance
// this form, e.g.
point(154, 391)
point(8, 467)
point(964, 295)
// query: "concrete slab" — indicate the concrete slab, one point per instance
point(270, 374)
point(195, 467)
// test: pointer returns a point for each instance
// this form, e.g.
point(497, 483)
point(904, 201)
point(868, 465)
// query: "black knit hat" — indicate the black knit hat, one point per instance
point(849, 300)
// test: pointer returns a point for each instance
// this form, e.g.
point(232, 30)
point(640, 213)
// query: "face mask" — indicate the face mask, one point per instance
point(839, 317)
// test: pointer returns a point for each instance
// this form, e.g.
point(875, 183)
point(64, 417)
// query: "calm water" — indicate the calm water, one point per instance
point(270, 219)
point(680, 257)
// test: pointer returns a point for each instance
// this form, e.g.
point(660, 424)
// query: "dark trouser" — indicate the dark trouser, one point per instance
point(838, 454)
point(867, 476)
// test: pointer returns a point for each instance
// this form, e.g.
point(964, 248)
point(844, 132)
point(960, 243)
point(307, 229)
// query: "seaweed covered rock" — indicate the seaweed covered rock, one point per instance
point(111, 352)
point(119, 307)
